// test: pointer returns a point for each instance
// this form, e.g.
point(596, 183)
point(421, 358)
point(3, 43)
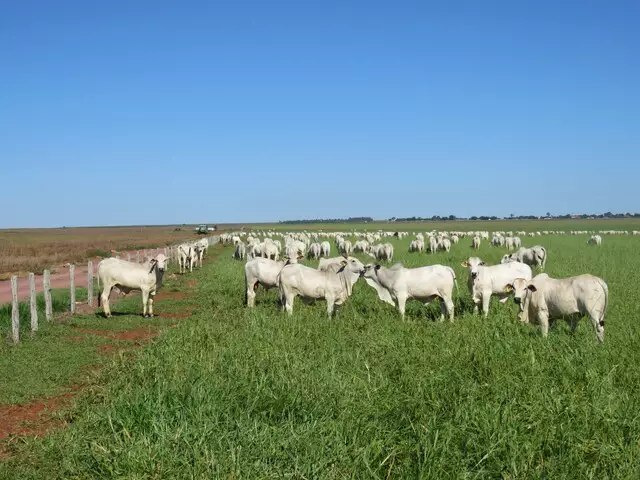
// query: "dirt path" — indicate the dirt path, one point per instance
point(59, 279)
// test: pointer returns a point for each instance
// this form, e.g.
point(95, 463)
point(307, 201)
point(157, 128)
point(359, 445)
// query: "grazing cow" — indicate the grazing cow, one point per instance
point(326, 248)
point(509, 243)
point(533, 256)
point(416, 246)
point(260, 271)
point(335, 285)
point(455, 239)
point(475, 244)
point(485, 280)
point(397, 284)
point(129, 276)
point(314, 251)
point(269, 249)
point(517, 242)
point(383, 251)
point(595, 240)
point(445, 244)
point(361, 246)
point(241, 251)
point(346, 247)
point(544, 298)
point(433, 244)
point(185, 252)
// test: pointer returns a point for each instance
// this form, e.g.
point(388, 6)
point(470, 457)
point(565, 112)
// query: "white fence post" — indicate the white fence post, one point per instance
point(32, 302)
point(46, 286)
point(90, 283)
point(72, 288)
point(15, 311)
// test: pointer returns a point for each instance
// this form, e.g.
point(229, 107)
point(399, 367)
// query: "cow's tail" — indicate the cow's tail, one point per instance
point(455, 280)
point(605, 289)
point(544, 257)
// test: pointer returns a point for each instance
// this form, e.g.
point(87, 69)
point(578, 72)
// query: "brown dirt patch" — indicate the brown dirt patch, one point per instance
point(141, 334)
point(170, 296)
point(34, 418)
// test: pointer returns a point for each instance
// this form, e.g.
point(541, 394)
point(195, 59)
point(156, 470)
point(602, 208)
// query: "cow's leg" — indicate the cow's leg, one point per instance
point(251, 294)
point(597, 319)
point(288, 303)
point(476, 302)
point(150, 302)
point(104, 297)
point(486, 299)
point(330, 306)
point(402, 301)
point(543, 320)
point(446, 307)
point(145, 300)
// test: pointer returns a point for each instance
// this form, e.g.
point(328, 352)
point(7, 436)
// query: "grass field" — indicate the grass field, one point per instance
point(33, 250)
point(237, 393)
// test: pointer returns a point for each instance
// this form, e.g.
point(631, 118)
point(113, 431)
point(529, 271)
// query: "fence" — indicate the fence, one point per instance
point(69, 281)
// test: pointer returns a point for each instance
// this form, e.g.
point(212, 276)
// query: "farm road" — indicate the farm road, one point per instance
point(59, 279)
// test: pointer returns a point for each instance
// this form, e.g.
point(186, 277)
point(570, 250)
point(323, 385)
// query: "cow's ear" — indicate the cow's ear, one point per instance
point(378, 267)
point(508, 288)
point(465, 263)
point(531, 287)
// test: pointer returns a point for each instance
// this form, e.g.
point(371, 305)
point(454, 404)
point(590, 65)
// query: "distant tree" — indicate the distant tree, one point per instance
point(452, 217)
point(548, 214)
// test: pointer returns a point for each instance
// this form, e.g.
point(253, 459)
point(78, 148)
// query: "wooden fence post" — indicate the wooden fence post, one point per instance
point(32, 302)
point(15, 311)
point(46, 286)
point(72, 288)
point(90, 283)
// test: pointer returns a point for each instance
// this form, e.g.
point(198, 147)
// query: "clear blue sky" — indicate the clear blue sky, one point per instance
point(146, 112)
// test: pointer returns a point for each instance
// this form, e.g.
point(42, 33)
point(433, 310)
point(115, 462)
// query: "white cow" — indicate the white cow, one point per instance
point(397, 284)
point(433, 244)
point(595, 240)
point(533, 256)
point(485, 280)
point(129, 276)
point(476, 242)
point(416, 246)
point(184, 253)
point(240, 252)
point(334, 286)
point(260, 271)
point(509, 243)
point(314, 251)
point(544, 298)
point(326, 264)
point(326, 248)
point(383, 251)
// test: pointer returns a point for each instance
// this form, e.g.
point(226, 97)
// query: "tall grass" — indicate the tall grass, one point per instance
point(237, 393)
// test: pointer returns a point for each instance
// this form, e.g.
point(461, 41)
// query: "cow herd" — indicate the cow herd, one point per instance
point(540, 298)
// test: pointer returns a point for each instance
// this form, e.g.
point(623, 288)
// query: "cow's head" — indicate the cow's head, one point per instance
point(370, 270)
point(159, 262)
point(473, 263)
point(508, 258)
point(520, 288)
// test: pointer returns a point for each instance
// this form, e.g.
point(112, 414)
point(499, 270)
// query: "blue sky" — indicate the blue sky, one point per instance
point(176, 112)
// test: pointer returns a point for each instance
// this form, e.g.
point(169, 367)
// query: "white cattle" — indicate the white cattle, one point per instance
point(475, 244)
point(383, 251)
point(595, 240)
point(346, 247)
point(397, 284)
point(455, 239)
point(544, 298)
point(485, 280)
point(269, 249)
point(240, 252)
point(509, 243)
point(416, 246)
point(445, 244)
point(314, 251)
point(260, 271)
point(334, 286)
point(433, 244)
point(326, 264)
point(533, 256)
point(361, 246)
point(517, 242)
point(184, 253)
point(129, 276)
point(326, 248)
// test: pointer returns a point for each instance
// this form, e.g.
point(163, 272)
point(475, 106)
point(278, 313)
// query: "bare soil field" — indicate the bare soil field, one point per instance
point(33, 250)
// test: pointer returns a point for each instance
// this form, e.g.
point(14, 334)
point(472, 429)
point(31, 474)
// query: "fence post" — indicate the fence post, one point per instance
point(90, 283)
point(128, 257)
point(15, 311)
point(72, 288)
point(46, 286)
point(32, 302)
